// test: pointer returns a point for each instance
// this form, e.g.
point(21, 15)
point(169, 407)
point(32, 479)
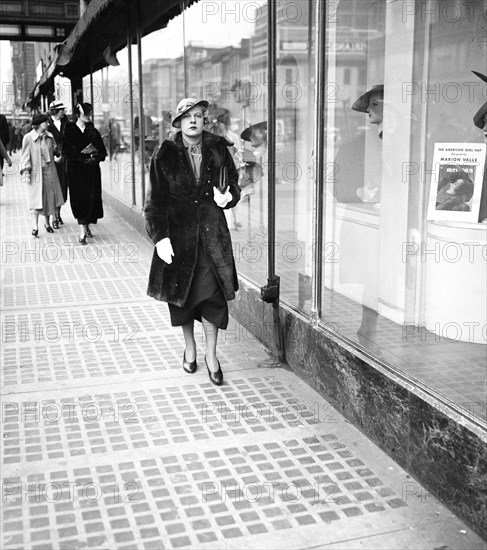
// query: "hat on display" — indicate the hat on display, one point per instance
point(56, 104)
point(38, 119)
point(245, 135)
point(478, 118)
point(362, 103)
point(184, 106)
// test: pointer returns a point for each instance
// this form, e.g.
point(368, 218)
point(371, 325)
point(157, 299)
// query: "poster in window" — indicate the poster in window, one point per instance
point(456, 181)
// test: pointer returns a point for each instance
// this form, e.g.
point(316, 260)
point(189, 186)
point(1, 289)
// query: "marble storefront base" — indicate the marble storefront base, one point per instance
point(443, 450)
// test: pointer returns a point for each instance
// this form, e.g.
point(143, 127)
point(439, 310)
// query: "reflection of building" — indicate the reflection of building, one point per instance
point(24, 70)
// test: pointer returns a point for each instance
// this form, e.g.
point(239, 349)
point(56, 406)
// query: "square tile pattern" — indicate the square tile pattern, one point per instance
point(183, 500)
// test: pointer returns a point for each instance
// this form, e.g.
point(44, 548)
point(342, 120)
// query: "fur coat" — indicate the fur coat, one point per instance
point(185, 212)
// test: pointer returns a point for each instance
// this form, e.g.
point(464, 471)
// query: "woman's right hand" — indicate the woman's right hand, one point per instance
point(164, 250)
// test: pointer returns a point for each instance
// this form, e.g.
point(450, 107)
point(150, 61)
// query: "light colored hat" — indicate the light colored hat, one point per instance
point(185, 105)
point(362, 103)
point(56, 104)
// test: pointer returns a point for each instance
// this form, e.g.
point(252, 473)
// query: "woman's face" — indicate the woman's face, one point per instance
point(375, 108)
point(85, 117)
point(42, 127)
point(454, 185)
point(192, 122)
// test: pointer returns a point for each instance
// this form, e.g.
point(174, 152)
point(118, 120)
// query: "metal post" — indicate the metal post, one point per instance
point(131, 101)
point(270, 292)
point(141, 102)
point(318, 195)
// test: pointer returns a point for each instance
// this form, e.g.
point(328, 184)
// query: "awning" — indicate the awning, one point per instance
point(103, 28)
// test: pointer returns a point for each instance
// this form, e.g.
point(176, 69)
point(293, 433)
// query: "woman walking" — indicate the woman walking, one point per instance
point(37, 165)
point(84, 149)
point(56, 125)
point(192, 179)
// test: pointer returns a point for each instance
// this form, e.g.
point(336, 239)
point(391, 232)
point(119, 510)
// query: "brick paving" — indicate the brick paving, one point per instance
point(107, 443)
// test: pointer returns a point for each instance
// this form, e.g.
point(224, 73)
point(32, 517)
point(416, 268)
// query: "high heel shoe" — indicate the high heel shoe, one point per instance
point(55, 224)
point(35, 232)
point(88, 233)
point(188, 367)
point(49, 229)
point(215, 377)
point(60, 220)
point(82, 240)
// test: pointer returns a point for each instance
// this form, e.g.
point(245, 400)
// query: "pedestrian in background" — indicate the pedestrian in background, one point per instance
point(4, 135)
point(57, 125)
point(193, 268)
point(3, 156)
point(84, 149)
point(37, 166)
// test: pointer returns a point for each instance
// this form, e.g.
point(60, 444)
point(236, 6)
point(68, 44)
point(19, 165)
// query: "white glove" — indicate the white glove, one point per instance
point(222, 199)
point(164, 250)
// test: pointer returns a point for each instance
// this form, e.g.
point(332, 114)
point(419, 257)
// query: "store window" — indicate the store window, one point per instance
point(295, 63)
point(399, 82)
point(226, 64)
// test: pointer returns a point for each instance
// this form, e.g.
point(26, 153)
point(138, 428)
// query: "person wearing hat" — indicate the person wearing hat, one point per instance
point(349, 163)
point(38, 170)
point(480, 121)
point(56, 125)
point(192, 180)
point(84, 150)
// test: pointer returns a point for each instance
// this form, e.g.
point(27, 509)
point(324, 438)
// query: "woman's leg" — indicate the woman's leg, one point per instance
point(188, 333)
point(211, 334)
point(35, 221)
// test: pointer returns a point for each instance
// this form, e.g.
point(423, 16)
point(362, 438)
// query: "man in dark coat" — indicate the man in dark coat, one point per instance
point(193, 268)
point(57, 124)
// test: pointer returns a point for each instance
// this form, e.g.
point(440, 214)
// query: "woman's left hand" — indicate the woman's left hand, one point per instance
point(222, 199)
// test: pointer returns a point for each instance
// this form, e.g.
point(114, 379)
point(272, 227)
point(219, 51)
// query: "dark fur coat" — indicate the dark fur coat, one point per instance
point(179, 209)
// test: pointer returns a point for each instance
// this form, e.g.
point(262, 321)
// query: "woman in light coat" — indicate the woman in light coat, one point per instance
point(37, 166)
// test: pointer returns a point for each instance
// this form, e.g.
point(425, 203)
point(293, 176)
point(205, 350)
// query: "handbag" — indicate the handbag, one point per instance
point(223, 180)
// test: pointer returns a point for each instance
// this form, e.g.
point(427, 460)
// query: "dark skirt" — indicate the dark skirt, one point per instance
point(205, 297)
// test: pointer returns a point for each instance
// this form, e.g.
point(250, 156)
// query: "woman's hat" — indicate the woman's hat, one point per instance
point(245, 135)
point(478, 118)
point(56, 104)
point(38, 119)
point(185, 105)
point(84, 108)
point(362, 103)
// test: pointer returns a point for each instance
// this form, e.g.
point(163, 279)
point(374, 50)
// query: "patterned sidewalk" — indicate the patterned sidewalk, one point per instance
point(108, 444)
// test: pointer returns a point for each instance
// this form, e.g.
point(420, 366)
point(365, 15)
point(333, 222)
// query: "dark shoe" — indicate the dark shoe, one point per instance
point(88, 233)
point(49, 229)
point(215, 377)
point(190, 368)
point(55, 224)
point(35, 232)
point(82, 240)
point(60, 220)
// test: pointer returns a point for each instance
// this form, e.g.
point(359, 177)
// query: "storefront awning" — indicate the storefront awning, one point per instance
point(102, 31)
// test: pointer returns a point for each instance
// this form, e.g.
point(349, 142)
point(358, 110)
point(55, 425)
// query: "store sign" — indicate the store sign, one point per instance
point(346, 47)
point(294, 46)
